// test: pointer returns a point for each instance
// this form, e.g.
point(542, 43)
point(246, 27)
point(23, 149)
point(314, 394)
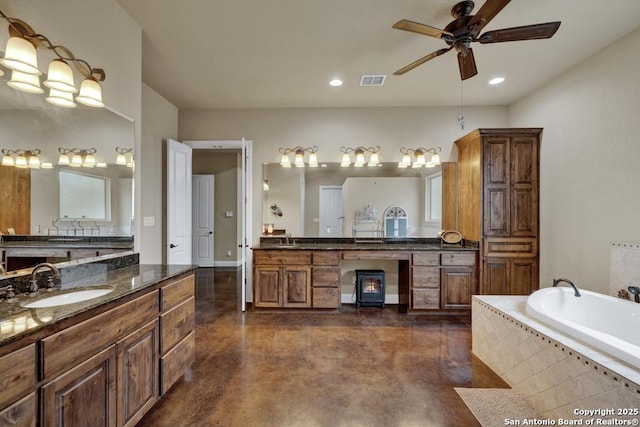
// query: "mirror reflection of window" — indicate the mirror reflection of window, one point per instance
point(84, 196)
point(433, 197)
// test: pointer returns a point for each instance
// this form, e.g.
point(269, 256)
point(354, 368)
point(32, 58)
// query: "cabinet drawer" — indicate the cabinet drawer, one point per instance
point(425, 299)
point(176, 292)
point(21, 414)
point(325, 276)
point(426, 258)
point(326, 258)
point(288, 257)
point(326, 297)
point(17, 374)
point(177, 323)
point(426, 277)
point(89, 337)
point(175, 362)
point(458, 258)
point(511, 247)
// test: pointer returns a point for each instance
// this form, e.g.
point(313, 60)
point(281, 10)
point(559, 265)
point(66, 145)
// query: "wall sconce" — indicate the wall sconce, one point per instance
point(79, 157)
point(420, 157)
point(265, 185)
point(121, 157)
point(23, 159)
point(359, 153)
point(299, 156)
point(22, 59)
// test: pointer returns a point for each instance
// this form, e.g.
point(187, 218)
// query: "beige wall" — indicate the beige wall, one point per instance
point(159, 122)
point(590, 157)
point(224, 166)
point(331, 128)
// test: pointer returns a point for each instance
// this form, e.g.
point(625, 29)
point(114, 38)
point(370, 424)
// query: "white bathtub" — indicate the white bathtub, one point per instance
point(609, 324)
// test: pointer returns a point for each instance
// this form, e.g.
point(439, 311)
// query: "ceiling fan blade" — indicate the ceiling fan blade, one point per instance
point(467, 64)
point(421, 61)
point(487, 12)
point(416, 27)
point(527, 32)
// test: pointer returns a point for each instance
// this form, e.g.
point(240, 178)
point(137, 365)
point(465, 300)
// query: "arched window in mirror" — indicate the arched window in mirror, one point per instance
point(84, 196)
point(395, 222)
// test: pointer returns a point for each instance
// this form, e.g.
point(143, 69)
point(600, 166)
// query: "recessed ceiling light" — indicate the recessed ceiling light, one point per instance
point(496, 80)
point(336, 82)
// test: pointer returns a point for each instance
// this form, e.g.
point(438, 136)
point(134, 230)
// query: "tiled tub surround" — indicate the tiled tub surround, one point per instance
point(556, 373)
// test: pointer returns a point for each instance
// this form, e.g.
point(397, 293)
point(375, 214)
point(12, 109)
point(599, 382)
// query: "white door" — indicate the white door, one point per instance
point(178, 203)
point(330, 211)
point(202, 237)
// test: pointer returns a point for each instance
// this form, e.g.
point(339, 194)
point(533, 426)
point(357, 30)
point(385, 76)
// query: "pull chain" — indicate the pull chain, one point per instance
point(461, 116)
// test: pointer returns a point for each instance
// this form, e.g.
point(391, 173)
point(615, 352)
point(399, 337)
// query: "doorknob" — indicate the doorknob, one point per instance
point(171, 245)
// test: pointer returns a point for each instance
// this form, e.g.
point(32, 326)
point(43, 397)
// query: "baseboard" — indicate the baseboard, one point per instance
point(235, 263)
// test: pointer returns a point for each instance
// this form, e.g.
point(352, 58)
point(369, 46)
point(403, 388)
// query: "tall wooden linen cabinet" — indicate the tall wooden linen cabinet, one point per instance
point(498, 206)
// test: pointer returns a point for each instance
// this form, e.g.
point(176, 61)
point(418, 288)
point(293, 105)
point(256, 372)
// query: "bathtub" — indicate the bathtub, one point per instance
point(612, 325)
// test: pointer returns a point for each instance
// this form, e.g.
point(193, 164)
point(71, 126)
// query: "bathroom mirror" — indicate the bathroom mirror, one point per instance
point(298, 192)
point(28, 122)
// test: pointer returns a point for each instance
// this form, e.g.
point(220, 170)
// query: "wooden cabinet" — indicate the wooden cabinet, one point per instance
point(282, 279)
point(177, 331)
point(442, 280)
point(325, 280)
point(137, 374)
point(83, 396)
point(17, 387)
point(498, 205)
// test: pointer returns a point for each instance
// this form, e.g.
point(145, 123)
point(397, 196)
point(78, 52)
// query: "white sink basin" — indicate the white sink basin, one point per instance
point(68, 298)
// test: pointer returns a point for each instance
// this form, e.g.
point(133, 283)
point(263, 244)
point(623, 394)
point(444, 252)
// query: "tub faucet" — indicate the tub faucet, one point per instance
point(556, 282)
point(33, 283)
point(635, 290)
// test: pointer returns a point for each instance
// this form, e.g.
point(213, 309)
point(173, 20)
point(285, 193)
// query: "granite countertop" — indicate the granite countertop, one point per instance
point(68, 243)
point(17, 322)
point(368, 246)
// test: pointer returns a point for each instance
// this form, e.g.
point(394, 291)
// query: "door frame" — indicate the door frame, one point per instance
point(245, 204)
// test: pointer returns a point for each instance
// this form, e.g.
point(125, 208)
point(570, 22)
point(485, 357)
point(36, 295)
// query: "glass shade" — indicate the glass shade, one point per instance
point(34, 162)
point(20, 55)
point(121, 159)
point(7, 160)
point(76, 161)
point(284, 161)
point(435, 160)
point(89, 161)
point(359, 159)
point(374, 161)
point(313, 160)
point(90, 93)
point(46, 165)
point(24, 82)
point(21, 162)
point(299, 161)
point(60, 77)
point(63, 159)
point(346, 160)
point(420, 159)
point(406, 160)
point(60, 98)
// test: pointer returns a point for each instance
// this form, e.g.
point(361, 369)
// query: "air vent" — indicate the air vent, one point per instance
point(372, 80)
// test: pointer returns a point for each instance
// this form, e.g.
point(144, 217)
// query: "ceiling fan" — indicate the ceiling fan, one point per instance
point(465, 29)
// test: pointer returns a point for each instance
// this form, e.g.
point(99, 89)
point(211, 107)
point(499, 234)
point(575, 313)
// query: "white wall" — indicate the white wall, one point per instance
point(590, 158)
point(159, 122)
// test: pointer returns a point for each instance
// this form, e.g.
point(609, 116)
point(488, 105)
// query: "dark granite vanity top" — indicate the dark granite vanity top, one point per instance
point(17, 322)
point(350, 244)
point(70, 242)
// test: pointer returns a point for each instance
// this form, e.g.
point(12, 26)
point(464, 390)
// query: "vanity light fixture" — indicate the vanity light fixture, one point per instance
point(299, 153)
point(21, 57)
point(359, 153)
point(420, 157)
point(121, 157)
point(23, 159)
point(77, 157)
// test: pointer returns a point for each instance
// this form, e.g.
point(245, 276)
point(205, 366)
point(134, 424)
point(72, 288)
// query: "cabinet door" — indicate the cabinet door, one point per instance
point(496, 186)
point(297, 287)
point(267, 286)
point(457, 286)
point(137, 374)
point(20, 414)
point(524, 186)
point(510, 276)
point(84, 395)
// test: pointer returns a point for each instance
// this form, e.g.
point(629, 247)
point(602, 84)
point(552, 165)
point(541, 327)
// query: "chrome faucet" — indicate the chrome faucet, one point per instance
point(635, 290)
point(556, 282)
point(33, 283)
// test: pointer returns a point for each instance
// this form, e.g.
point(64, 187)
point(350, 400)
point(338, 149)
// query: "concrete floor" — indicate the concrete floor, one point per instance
point(365, 367)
